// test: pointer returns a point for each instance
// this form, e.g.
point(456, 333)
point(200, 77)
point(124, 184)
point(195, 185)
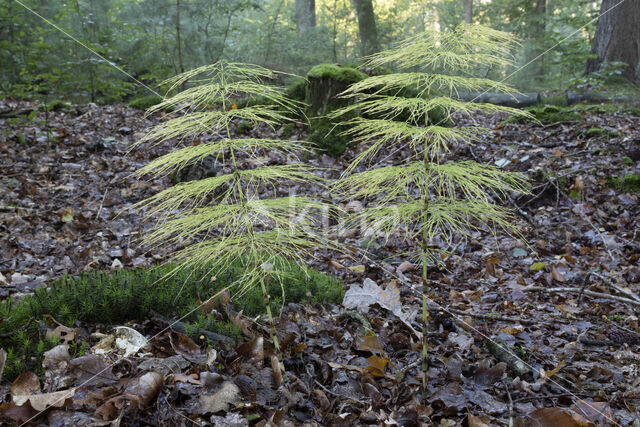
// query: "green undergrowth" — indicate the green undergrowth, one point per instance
point(346, 75)
point(112, 298)
point(145, 102)
point(599, 132)
point(326, 136)
point(555, 114)
point(628, 183)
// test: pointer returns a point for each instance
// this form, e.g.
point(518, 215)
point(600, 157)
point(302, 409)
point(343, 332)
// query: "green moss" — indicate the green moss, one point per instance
point(341, 74)
point(54, 106)
point(549, 115)
point(244, 128)
point(627, 161)
point(145, 102)
point(125, 295)
point(634, 111)
point(599, 132)
point(287, 130)
point(327, 138)
point(297, 91)
point(628, 183)
point(21, 138)
point(594, 132)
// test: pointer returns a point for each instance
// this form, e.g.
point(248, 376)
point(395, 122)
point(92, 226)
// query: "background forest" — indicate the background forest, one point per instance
point(155, 39)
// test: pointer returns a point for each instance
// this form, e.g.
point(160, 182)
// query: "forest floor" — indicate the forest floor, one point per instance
point(565, 298)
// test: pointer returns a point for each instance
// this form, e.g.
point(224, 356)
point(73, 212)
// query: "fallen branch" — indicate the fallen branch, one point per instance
point(617, 288)
point(579, 290)
point(491, 317)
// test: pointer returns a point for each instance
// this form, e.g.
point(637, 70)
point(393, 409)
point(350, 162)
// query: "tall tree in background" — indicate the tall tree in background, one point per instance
point(178, 41)
point(305, 15)
point(468, 11)
point(367, 27)
point(618, 37)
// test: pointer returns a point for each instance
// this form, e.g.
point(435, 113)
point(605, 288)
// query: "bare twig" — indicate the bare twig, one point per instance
point(491, 317)
point(506, 388)
point(617, 288)
point(579, 290)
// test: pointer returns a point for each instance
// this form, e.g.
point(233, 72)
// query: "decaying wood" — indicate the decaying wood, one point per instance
point(504, 354)
point(517, 100)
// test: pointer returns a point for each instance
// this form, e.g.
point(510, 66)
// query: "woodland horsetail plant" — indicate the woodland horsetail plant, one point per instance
point(223, 219)
point(429, 195)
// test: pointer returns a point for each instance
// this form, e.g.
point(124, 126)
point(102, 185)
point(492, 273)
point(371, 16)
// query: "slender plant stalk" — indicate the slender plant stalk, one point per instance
point(272, 329)
point(425, 283)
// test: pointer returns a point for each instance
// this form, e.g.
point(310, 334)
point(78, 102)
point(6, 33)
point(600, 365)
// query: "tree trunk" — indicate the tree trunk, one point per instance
point(305, 15)
point(468, 11)
point(617, 37)
point(367, 27)
point(178, 41)
point(541, 25)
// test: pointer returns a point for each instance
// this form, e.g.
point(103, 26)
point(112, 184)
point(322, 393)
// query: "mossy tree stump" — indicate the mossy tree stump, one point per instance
point(326, 82)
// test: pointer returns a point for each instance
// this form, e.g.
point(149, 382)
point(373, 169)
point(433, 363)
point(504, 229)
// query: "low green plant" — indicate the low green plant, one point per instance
point(297, 91)
point(599, 132)
point(335, 72)
point(237, 216)
point(328, 137)
point(287, 130)
point(145, 102)
point(244, 128)
point(548, 115)
point(628, 183)
point(133, 295)
point(427, 195)
point(634, 111)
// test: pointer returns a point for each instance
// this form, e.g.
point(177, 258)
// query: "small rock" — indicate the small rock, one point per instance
point(116, 264)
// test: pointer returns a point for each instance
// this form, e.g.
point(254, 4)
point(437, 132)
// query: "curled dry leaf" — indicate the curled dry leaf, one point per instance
point(362, 297)
point(129, 340)
point(599, 413)
point(321, 399)
point(65, 333)
point(184, 346)
point(229, 394)
point(277, 371)
point(557, 417)
point(26, 389)
point(144, 389)
point(370, 343)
